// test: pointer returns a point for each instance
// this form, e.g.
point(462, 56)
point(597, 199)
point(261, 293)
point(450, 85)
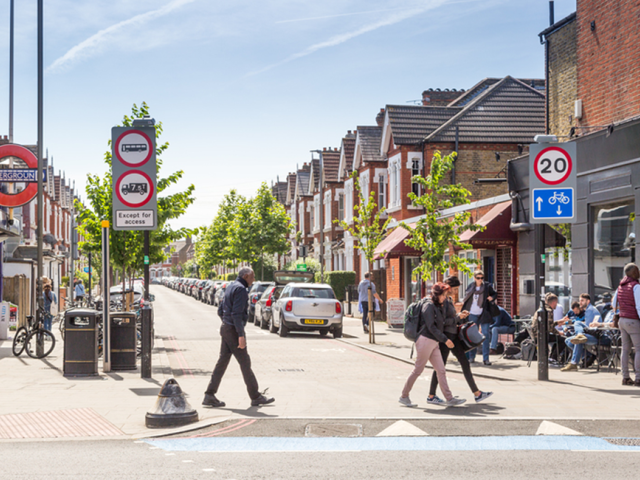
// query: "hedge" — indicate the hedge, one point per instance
point(338, 281)
point(231, 276)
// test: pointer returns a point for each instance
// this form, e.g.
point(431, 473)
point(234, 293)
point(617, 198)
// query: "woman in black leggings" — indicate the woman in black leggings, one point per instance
point(451, 331)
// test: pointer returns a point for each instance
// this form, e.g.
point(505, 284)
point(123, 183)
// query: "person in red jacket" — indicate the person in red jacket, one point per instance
point(627, 302)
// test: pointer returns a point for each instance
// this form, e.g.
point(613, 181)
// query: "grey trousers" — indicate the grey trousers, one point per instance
point(630, 331)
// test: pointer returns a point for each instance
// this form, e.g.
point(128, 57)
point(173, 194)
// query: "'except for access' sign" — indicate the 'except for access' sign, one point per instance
point(552, 182)
point(134, 178)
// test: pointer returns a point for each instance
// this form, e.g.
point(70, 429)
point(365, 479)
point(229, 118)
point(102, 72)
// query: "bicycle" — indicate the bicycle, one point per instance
point(27, 338)
point(560, 197)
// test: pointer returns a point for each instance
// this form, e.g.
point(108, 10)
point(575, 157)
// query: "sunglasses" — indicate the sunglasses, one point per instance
point(479, 278)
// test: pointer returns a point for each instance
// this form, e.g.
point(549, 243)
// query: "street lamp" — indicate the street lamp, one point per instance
point(321, 216)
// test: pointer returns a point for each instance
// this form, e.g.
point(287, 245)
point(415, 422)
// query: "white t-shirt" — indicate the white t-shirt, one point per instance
point(558, 313)
point(475, 309)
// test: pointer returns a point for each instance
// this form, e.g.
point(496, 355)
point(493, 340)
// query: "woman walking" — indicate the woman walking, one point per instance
point(627, 301)
point(451, 332)
point(427, 350)
point(477, 301)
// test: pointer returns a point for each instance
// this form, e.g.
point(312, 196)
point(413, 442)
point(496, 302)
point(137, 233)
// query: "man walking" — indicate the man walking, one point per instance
point(363, 299)
point(233, 312)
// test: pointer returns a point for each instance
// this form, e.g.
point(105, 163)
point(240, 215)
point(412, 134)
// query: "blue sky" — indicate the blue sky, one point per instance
point(246, 88)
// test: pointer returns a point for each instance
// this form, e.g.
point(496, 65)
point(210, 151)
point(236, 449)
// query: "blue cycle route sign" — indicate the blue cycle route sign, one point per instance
point(553, 204)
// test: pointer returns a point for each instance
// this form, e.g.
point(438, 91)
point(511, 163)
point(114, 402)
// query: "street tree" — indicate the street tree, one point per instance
point(369, 230)
point(434, 235)
point(126, 247)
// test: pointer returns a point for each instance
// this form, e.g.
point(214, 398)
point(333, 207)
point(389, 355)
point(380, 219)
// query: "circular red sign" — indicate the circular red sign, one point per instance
point(29, 193)
point(145, 200)
point(553, 165)
point(122, 137)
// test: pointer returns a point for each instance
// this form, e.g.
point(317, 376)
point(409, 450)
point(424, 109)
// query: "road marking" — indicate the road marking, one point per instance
point(305, 444)
point(550, 428)
point(187, 461)
point(208, 469)
point(402, 429)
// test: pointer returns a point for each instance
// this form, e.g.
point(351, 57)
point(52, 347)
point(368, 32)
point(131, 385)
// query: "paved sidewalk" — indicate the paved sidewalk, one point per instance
point(391, 342)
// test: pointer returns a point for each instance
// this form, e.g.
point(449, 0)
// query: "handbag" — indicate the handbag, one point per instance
point(470, 336)
point(493, 309)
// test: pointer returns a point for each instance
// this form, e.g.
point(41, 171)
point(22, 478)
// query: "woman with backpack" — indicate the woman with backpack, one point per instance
point(427, 346)
point(627, 302)
point(451, 332)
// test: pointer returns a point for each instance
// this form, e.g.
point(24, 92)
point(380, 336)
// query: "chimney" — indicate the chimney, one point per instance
point(324, 149)
point(380, 118)
point(439, 97)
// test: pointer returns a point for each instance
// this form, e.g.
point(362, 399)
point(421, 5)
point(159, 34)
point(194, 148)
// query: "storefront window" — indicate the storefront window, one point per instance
point(614, 244)
point(465, 278)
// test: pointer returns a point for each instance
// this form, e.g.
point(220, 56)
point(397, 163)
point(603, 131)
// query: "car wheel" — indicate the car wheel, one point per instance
point(263, 325)
point(256, 320)
point(283, 331)
point(323, 333)
point(337, 332)
point(272, 327)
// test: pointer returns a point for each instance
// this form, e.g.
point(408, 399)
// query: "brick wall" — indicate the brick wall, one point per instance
point(394, 278)
point(608, 60)
point(563, 79)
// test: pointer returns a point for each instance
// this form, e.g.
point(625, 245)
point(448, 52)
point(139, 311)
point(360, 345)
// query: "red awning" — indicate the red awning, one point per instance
point(394, 245)
point(497, 231)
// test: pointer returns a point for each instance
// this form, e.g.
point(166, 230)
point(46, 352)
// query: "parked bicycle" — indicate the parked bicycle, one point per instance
point(27, 338)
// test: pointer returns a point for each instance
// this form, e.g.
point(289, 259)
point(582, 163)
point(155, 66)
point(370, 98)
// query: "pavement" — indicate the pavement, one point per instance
point(310, 377)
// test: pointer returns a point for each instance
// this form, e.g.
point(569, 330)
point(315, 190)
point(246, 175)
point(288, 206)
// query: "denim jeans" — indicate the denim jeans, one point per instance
point(495, 331)
point(578, 350)
point(485, 328)
point(47, 320)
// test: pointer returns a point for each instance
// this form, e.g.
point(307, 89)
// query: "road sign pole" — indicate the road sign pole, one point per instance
point(543, 346)
point(40, 213)
point(106, 300)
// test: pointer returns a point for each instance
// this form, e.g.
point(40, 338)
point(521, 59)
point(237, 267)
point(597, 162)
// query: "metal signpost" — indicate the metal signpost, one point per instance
point(552, 193)
point(133, 170)
point(106, 299)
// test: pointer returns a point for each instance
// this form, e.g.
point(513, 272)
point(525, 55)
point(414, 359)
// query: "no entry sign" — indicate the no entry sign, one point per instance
point(552, 182)
point(22, 154)
point(133, 167)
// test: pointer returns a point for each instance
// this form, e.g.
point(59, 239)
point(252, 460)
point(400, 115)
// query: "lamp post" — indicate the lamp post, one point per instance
point(321, 213)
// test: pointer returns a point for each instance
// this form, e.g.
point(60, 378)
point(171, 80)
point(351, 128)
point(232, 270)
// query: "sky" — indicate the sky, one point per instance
point(245, 89)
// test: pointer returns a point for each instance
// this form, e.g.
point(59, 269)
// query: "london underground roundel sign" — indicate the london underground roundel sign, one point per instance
point(29, 193)
point(553, 165)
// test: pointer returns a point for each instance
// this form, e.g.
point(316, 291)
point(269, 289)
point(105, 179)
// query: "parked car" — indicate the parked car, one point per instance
point(264, 305)
point(211, 292)
point(205, 288)
point(305, 307)
point(220, 293)
point(256, 291)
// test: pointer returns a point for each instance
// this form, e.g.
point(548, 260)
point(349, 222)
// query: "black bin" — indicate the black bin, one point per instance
point(124, 341)
point(80, 342)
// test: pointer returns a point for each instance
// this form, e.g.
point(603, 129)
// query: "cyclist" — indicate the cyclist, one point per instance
point(50, 300)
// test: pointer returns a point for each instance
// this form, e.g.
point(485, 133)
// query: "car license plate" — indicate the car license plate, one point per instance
point(313, 321)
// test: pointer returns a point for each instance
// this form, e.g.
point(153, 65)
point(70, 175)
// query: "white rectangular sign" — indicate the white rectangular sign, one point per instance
point(134, 218)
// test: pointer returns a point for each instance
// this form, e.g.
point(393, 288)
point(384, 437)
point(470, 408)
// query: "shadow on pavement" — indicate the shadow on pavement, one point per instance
point(253, 412)
point(470, 410)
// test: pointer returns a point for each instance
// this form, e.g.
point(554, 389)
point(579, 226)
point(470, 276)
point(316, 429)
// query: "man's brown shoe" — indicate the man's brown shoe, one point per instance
point(568, 367)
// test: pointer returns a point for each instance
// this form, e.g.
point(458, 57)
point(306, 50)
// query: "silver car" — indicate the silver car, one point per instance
point(307, 307)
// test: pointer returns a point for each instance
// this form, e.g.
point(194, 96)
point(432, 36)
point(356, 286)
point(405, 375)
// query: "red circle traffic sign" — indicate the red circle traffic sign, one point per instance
point(137, 185)
point(29, 193)
point(133, 148)
point(553, 165)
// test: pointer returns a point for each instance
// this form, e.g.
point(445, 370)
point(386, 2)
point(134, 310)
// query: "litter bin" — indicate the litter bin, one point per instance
point(124, 341)
point(80, 342)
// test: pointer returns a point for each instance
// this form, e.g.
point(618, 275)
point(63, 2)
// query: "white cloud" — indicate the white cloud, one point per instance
point(345, 37)
point(92, 45)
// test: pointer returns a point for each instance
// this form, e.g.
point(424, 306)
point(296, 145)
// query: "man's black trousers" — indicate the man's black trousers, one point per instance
point(228, 347)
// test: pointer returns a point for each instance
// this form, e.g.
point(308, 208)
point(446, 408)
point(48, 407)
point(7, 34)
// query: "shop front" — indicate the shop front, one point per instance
point(603, 240)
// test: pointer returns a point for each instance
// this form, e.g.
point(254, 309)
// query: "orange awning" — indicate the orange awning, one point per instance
point(394, 245)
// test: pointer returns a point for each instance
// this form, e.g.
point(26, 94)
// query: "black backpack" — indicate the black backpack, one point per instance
point(412, 320)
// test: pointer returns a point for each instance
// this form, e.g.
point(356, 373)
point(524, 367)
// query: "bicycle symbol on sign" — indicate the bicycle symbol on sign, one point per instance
point(559, 197)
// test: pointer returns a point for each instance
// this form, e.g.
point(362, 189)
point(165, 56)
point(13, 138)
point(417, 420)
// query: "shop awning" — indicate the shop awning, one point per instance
point(394, 245)
point(497, 231)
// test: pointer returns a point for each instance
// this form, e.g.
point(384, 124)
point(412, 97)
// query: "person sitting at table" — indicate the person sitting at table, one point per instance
point(575, 314)
point(576, 342)
point(502, 324)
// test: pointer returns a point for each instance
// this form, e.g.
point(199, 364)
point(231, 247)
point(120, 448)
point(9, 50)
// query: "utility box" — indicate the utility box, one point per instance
point(124, 341)
point(80, 342)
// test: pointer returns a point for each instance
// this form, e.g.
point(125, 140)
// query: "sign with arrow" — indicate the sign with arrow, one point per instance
point(552, 182)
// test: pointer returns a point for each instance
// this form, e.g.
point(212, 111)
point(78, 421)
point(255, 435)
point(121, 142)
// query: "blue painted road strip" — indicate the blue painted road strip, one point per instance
point(303, 444)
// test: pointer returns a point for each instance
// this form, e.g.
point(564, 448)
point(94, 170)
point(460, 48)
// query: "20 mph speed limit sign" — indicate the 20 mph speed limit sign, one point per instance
point(552, 182)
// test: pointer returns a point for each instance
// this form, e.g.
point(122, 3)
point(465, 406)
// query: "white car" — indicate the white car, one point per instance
point(307, 307)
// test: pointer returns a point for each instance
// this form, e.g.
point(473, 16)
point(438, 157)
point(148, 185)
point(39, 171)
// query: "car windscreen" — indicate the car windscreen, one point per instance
point(313, 293)
point(266, 293)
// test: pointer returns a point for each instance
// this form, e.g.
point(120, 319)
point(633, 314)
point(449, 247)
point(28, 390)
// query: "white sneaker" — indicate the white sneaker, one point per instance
point(455, 401)
point(406, 401)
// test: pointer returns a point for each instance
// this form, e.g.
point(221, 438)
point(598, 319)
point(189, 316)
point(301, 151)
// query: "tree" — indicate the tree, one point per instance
point(126, 247)
point(369, 230)
point(432, 234)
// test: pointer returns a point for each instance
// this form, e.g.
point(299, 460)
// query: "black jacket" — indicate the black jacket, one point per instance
point(233, 309)
point(433, 320)
point(488, 292)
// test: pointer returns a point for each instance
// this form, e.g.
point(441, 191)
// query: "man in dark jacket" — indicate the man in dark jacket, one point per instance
point(502, 324)
point(477, 301)
point(233, 312)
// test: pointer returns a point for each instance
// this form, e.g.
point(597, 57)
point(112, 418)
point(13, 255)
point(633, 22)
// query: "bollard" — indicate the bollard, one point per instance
point(172, 408)
point(147, 341)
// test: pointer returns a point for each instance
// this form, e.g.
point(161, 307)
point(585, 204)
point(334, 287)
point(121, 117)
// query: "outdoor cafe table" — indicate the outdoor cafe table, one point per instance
point(611, 358)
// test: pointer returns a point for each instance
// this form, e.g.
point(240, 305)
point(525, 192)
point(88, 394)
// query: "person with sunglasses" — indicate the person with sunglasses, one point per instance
point(477, 301)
